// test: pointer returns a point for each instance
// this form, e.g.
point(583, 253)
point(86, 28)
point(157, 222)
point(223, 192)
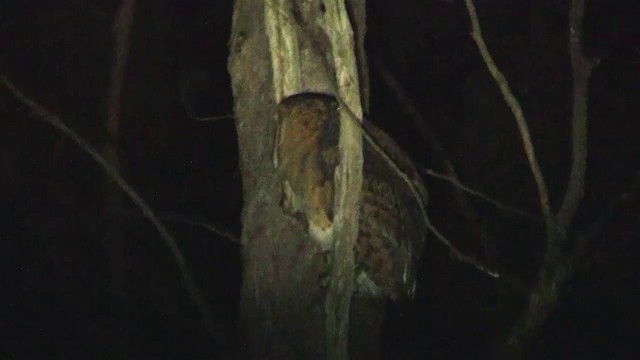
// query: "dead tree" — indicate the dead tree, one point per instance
point(320, 229)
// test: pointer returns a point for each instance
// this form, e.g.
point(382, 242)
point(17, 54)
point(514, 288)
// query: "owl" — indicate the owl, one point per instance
point(392, 229)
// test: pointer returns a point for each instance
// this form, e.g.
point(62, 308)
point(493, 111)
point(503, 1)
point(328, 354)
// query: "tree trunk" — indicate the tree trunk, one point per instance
point(292, 63)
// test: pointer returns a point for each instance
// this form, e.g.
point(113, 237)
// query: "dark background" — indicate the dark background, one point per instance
point(54, 291)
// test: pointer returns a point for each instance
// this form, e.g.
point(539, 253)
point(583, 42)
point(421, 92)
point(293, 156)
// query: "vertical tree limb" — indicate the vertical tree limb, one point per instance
point(349, 181)
point(516, 109)
point(582, 68)
point(556, 269)
point(188, 279)
point(281, 49)
point(113, 238)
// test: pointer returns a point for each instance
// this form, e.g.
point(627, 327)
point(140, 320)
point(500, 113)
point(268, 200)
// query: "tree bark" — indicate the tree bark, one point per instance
point(291, 64)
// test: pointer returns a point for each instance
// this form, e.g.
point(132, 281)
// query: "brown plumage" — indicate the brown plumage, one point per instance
point(392, 230)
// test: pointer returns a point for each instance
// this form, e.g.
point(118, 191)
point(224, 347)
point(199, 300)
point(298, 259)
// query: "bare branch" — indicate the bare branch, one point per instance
point(211, 228)
point(582, 68)
point(214, 118)
point(113, 238)
point(494, 202)
point(556, 269)
point(516, 109)
point(121, 29)
point(409, 109)
point(187, 277)
point(459, 255)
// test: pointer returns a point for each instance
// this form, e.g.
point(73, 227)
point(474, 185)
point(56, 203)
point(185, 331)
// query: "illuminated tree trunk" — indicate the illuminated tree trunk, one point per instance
point(292, 64)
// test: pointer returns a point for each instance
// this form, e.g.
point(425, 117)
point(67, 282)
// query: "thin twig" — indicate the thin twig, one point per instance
point(494, 202)
point(409, 109)
point(421, 124)
point(459, 255)
point(516, 109)
point(213, 118)
point(556, 268)
point(113, 239)
point(187, 277)
point(121, 29)
point(211, 228)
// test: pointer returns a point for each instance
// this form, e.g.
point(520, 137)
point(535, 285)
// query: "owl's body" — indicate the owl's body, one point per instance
point(392, 230)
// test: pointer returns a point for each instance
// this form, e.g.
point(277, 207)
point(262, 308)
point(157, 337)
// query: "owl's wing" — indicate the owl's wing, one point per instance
point(392, 230)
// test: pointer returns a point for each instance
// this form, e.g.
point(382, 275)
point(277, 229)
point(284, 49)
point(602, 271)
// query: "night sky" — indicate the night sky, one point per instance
point(55, 295)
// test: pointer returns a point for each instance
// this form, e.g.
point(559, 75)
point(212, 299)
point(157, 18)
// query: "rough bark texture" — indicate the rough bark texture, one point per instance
point(358, 13)
point(288, 311)
point(281, 306)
